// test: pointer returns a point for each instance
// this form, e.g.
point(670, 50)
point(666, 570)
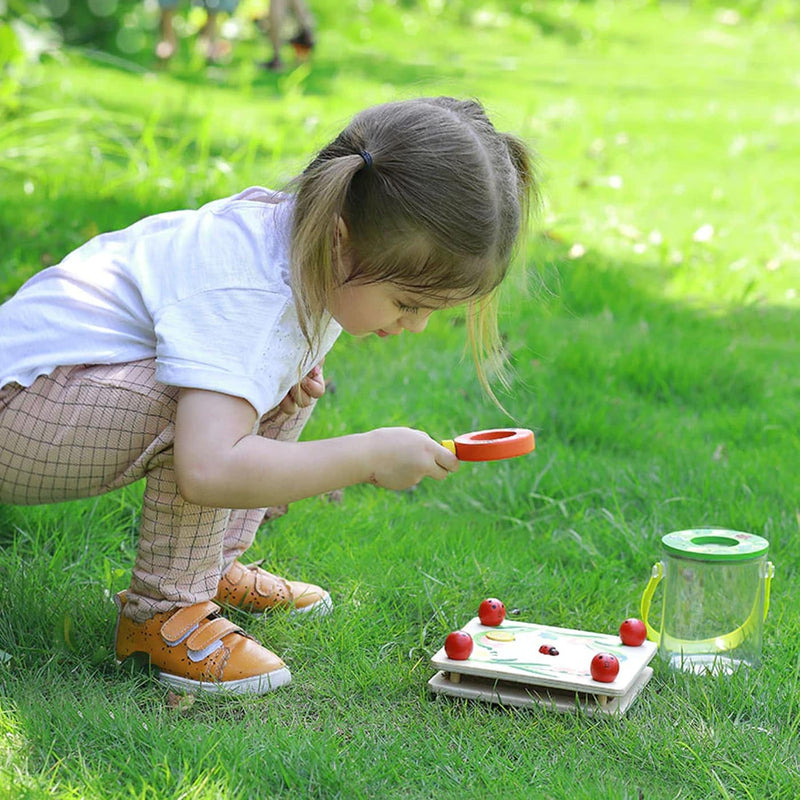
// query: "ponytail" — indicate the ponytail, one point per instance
point(321, 191)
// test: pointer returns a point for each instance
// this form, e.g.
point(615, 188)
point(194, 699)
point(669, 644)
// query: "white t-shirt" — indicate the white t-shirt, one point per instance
point(205, 292)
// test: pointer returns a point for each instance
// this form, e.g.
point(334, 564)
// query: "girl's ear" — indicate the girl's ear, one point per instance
point(342, 234)
point(341, 237)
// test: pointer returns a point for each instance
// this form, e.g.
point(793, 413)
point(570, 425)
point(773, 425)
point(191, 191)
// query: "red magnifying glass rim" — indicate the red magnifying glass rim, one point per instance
point(493, 444)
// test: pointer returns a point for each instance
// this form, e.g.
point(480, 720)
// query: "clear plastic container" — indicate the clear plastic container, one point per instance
point(715, 599)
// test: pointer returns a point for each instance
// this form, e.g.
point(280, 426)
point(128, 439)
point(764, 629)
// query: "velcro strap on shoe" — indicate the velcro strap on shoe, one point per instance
point(184, 620)
point(211, 632)
point(268, 585)
point(235, 573)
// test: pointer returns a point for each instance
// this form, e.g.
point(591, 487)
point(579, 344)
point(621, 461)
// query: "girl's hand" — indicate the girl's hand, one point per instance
point(311, 388)
point(402, 457)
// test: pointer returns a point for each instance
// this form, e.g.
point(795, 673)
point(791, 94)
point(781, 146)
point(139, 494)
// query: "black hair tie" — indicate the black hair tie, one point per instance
point(367, 156)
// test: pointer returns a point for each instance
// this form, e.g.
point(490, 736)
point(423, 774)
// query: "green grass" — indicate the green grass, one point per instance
point(657, 365)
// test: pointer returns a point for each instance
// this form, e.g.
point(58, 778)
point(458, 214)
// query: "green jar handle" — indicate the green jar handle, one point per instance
point(655, 578)
point(727, 641)
point(769, 574)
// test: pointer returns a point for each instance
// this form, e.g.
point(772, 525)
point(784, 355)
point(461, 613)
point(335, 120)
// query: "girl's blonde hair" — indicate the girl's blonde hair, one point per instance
point(434, 200)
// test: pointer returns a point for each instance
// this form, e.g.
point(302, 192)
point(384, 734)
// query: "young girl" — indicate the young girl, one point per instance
point(187, 350)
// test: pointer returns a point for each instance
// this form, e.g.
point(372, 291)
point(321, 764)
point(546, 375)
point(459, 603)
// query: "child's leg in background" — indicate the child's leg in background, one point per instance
point(167, 42)
point(84, 431)
point(277, 11)
point(209, 36)
point(303, 16)
point(303, 41)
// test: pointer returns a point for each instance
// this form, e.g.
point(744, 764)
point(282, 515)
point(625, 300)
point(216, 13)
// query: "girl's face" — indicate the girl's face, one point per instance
point(380, 308)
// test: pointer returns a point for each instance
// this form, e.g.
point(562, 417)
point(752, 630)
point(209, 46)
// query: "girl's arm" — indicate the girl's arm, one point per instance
point(219, 462)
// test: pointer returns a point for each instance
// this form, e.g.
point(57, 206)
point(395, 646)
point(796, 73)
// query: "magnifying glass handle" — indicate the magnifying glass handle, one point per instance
point(449, 444)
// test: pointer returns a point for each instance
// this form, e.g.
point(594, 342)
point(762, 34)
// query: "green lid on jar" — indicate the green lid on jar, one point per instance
point(715, 544)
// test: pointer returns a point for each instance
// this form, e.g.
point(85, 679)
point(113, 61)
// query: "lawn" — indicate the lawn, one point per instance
point(654, 332)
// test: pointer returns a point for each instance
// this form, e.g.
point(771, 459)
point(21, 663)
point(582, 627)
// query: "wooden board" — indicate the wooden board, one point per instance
point(519, 694)
point(507, 667)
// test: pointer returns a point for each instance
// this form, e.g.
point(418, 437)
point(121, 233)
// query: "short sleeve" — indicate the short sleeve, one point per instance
point(229, 341)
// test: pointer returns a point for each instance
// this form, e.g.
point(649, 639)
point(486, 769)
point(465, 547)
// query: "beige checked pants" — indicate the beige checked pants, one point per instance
point(86, 430)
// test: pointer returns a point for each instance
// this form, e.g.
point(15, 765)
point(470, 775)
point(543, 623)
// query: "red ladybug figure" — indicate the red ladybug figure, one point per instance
point(492, 612)
point(633, 632)
point(604, 667)
point(458, 645)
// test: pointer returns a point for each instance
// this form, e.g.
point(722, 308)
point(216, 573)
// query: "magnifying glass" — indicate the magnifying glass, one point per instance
point(491, 445)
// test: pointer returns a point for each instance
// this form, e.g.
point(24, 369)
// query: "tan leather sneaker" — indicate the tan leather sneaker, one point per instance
point(197, 650)
point(258, 591)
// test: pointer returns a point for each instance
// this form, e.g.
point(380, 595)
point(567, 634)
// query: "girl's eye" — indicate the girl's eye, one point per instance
point(408, 309)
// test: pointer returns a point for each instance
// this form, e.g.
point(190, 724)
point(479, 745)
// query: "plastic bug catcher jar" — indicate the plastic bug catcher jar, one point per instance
point(714, 601)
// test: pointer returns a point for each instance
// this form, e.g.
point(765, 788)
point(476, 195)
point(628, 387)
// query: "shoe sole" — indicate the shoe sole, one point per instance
point(321, 608)
point(257, 684)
